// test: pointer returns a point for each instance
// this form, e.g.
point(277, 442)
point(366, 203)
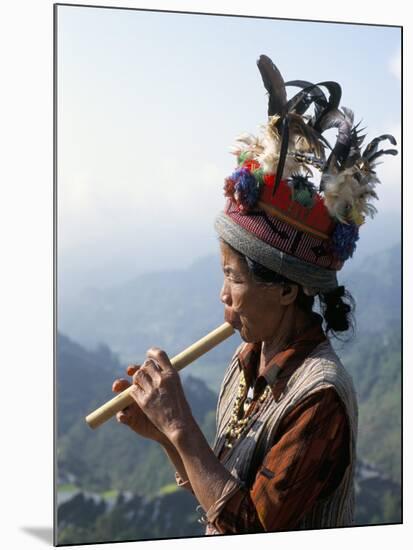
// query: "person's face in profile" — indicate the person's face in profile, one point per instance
point(255, 310)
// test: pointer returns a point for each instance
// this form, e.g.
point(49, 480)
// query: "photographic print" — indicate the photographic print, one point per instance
point(228, 266)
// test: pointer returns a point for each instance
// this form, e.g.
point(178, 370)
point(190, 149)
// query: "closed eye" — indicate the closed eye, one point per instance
point(232, 275)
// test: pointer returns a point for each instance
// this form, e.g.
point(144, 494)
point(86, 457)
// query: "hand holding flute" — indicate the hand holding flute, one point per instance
point(158, 392)
point(158, 371)
point(132, 415)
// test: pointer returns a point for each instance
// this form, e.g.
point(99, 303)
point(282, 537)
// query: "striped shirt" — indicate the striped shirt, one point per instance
point(308, 457)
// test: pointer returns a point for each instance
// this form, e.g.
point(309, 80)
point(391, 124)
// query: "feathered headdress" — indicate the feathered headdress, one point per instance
point(275, 169)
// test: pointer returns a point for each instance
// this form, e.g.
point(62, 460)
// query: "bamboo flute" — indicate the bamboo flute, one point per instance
point(190, 354)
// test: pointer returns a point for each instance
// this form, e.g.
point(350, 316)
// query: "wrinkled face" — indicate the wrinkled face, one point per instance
point(255, 310)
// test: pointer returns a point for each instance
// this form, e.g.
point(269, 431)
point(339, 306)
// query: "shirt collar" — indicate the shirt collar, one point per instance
point(285, 361)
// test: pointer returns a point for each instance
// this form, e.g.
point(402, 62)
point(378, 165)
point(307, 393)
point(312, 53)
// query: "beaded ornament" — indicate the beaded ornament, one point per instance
point(239, 423)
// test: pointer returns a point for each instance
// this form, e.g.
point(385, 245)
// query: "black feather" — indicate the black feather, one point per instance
point(372, 147)
point(302, 100)
point(383, 152)
point(275, 86)
point(334, 90)
point(331, 119)
point(285, 136)
point(311, 93)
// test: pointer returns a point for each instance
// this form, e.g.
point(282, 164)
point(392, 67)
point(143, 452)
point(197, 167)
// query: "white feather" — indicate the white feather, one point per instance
point(346, 198)
point(270, 154)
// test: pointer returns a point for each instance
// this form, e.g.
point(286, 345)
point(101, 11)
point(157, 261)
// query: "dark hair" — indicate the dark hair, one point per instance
point(336, 306)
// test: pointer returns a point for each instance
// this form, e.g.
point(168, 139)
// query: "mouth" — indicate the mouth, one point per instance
point(232, 320)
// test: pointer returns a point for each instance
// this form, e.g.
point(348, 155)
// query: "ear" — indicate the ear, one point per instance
point(288, 294)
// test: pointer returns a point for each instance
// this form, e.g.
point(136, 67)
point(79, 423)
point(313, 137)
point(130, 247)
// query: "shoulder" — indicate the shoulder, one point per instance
point(324, 367)
point(323, 378)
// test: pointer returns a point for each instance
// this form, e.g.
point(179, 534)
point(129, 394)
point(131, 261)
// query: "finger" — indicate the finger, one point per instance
point(131, 369)
point(142, 378)
point(152, 368)
point(128, 412)
point(137, 393)
point(120, 385)
point(122, 417)
point(160, 357)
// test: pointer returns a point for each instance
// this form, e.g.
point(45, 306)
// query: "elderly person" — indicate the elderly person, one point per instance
point(284, 452)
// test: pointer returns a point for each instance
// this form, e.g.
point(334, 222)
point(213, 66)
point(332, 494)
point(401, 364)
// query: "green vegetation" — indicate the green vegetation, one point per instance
point(66, 488)
point(168, 489)
point(84, 519)
point(111, 493)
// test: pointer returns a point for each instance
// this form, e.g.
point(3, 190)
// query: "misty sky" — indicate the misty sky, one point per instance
point(149, 105)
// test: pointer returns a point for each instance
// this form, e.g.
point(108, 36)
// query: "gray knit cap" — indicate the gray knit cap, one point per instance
point(313, 278)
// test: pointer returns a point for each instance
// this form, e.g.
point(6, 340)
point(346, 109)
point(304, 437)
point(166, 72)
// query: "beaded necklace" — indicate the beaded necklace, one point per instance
point(238, 422)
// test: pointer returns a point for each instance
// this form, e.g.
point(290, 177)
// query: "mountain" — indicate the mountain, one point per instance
point(376, 285)
point(173, 309)
point(84, 381)
point(168, 309)
point(374, 361)
point(88, 518)
point(114, 460)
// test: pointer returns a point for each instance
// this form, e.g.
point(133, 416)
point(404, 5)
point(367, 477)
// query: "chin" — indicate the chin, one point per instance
point(248, 337)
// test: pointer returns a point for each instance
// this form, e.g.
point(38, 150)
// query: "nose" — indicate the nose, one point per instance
point(225, 295)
